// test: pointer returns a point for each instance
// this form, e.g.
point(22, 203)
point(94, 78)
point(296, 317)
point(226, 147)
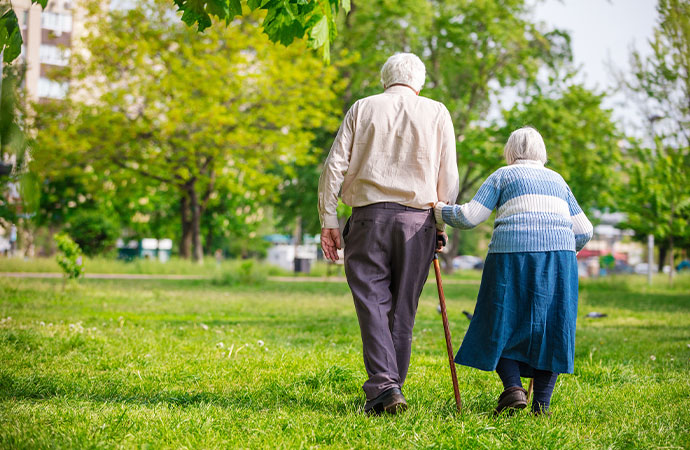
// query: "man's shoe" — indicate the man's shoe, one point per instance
point(391, 401)
point(512, 399)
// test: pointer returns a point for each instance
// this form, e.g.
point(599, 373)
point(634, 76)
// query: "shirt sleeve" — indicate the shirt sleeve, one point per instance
point(334, 170)
point(582, 227)
point(471, 214)
point(448, 183)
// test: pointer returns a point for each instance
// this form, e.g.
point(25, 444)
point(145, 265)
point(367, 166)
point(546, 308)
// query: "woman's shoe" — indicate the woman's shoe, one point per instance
point(512, 399)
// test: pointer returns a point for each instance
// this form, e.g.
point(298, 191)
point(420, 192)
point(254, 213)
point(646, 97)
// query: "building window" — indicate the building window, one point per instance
point(58, 23)
point(52, 89)
point(51, 54)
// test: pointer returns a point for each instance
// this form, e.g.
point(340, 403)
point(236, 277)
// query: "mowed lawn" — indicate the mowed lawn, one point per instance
point(185, 364)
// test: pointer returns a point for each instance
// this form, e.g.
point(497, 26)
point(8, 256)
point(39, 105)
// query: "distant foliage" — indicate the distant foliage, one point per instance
point(69, 256)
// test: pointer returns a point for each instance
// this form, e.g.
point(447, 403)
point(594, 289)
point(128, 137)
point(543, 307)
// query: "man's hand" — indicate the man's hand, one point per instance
point(330, 243)
point(441, 240)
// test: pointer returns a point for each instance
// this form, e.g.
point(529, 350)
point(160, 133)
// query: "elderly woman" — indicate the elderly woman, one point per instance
point(524, 320)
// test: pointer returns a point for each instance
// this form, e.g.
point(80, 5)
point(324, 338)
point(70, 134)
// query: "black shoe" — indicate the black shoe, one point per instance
point(391, 401)
point(512, 399)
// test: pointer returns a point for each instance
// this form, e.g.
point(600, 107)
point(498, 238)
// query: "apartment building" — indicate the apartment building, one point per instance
point(48, 35)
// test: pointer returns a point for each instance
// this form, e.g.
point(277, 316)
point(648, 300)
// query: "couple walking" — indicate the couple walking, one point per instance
point(395, 159)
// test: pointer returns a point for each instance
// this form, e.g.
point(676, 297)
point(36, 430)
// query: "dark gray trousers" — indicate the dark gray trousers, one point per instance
point(388, 251)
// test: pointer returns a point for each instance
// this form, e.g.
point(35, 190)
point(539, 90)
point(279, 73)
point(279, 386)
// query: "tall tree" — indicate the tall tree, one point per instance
point(197, 115)
point(657, 195)
point(583, 142)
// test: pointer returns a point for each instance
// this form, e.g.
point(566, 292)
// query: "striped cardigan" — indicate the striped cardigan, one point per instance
point(535, 211)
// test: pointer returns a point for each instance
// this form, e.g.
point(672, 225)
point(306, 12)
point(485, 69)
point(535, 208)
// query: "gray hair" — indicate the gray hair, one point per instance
point(404, 68)
point(525, 143)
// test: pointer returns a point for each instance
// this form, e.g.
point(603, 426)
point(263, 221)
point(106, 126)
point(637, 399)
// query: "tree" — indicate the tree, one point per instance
point(192, 115)
point(582, 140)
point(657, 195)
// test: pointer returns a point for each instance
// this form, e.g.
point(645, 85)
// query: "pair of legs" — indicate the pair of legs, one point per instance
point(544, 382)
point(388, 251)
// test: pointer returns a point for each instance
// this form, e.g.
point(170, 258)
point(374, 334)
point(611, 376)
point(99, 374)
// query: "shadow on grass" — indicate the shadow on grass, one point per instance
point(331, 391)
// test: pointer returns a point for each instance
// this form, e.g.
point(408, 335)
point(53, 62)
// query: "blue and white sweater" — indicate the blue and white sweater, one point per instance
point(536, 211)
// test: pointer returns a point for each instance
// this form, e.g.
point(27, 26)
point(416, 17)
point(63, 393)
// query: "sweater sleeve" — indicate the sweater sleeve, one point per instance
point(471, 214)
point(582, 227)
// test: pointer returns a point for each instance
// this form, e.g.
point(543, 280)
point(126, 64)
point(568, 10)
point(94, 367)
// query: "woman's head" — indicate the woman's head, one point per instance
point(525, 143)
point(404, 68)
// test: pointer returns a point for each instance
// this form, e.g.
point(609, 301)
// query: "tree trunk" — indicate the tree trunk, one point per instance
point(670, 261)
point(451, 252)
point(662, 257)
point(186, 240)
point(195, 210)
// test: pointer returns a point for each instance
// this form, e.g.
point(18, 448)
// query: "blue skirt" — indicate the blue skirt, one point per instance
point(526, 311)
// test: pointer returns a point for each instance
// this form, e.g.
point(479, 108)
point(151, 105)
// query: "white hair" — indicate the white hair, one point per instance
point(525, 143)
point(404, 68)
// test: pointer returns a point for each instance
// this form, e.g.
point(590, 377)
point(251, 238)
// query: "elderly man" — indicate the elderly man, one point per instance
point(394, 156)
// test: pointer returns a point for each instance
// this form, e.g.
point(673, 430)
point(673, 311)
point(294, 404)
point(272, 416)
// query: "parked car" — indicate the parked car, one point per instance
point(466, 262)
point(621, 266)
point(642, 268)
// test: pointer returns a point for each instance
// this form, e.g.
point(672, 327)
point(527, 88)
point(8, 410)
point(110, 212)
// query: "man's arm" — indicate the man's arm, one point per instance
point(448, 183)
point(331, 179)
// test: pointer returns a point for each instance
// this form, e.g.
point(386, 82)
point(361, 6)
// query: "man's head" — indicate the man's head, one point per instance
point(403, 68)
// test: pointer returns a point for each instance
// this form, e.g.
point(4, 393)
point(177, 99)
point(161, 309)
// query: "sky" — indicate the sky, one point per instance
point(602, 33)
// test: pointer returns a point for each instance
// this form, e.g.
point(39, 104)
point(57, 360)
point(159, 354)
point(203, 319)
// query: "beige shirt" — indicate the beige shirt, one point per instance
point(391, 147)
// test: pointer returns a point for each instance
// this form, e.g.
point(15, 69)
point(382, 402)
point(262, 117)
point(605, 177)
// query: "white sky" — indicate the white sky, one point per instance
point(602, 32)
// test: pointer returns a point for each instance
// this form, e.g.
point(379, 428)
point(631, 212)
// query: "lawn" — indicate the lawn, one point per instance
point(187, 364)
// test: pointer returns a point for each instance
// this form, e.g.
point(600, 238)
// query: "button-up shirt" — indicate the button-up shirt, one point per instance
point(391, 147)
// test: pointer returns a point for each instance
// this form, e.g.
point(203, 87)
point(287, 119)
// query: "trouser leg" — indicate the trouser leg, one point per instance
point(544, 383)
point(509, 372)
point(381, 247)
point(412, 255)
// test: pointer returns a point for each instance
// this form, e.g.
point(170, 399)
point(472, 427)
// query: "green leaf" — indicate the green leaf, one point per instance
point(43, 3)
point(345, 4)
point(10, 36)
point(218, 8)
point(319, 33)
point(281, 26)
point(235, 8)
point(195, 12)
point(256, 4)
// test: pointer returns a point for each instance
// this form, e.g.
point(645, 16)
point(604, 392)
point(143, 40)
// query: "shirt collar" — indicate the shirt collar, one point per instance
point(400, 90)
point(528, 162)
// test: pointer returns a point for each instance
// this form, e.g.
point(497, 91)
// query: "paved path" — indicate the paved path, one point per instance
point(130, 276)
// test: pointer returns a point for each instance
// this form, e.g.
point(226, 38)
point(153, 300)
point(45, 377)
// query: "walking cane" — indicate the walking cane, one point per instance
point(446, 329)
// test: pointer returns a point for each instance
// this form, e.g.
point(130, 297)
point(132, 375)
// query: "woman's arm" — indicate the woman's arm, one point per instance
point(471, 214)
point(582, 227)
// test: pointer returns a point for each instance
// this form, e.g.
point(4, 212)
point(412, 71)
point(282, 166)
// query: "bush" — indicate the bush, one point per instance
point(69, 256)
point(93, 231)
point(246, 273)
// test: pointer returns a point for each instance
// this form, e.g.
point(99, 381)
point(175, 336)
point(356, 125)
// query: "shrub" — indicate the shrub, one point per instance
point(246, 273)
point(69, 256)
point(93, 231)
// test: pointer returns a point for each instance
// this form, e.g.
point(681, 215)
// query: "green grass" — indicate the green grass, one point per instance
point(113, 364)
point(176, 266)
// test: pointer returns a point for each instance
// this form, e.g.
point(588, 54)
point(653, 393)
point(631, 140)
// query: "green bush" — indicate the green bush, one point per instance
point(69, 256)
point(93, 231)
point(246, 273)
